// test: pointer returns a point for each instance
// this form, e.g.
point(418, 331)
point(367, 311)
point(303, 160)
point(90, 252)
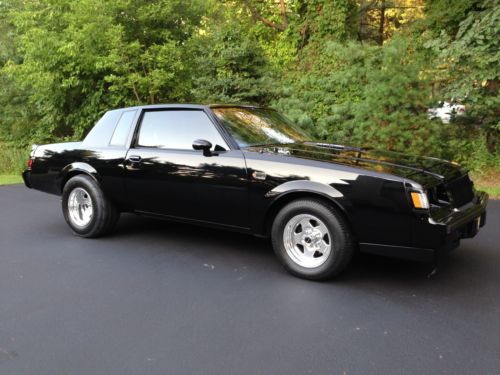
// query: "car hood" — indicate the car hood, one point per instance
point(423, 170)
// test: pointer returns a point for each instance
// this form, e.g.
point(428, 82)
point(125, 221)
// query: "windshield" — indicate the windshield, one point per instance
point(258, 126)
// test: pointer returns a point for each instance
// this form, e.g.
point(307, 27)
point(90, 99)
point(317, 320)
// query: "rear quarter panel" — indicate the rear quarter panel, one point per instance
point(56, 163)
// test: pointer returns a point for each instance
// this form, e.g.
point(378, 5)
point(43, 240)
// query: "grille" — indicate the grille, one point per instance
point(461, 191)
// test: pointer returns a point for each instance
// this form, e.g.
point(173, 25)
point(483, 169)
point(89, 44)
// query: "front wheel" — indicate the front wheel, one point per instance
point(86, 209)
point(312, 239)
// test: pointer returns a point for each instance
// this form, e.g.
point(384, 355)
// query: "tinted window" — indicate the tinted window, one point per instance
point(177, 129)
point(122, 129)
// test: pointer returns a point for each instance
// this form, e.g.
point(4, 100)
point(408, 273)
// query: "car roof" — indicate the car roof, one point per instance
point(236, 106)
point(191, 106)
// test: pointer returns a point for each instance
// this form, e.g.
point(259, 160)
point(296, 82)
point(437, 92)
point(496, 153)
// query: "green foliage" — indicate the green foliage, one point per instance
point(391, 108)
point(82, 57)
point(230, 66)
point(12, 159)
point(471, 61)
point(371, 96)
point(330, 20)
point(445, 16)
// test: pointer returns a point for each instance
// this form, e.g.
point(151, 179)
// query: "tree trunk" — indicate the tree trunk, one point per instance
point(382, 23)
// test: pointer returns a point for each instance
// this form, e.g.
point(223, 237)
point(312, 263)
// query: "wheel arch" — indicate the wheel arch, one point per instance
point(338, 203)
point(74, 169)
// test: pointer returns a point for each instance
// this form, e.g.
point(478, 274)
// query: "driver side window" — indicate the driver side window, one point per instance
point(177, 129)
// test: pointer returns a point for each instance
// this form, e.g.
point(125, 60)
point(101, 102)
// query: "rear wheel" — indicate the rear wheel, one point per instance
point(86, 209)
point(312, 239)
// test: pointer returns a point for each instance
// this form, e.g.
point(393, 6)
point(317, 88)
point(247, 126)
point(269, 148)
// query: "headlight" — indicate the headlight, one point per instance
point(419, 200)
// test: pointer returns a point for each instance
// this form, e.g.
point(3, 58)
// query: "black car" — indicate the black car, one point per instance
point(248, 169)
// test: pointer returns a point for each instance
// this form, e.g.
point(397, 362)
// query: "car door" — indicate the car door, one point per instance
point(166, 176)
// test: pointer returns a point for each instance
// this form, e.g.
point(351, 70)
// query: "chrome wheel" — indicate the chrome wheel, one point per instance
point(80, 207)
point(307, 240)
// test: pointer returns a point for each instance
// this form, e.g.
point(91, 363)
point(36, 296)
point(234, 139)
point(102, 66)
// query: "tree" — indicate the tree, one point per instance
point(372, 96)
point(230, 66)
point(467, 44)
point(83, 57)
point(16, 118)
point(380, 19)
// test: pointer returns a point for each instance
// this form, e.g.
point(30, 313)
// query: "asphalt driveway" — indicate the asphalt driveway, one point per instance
point(162, 298)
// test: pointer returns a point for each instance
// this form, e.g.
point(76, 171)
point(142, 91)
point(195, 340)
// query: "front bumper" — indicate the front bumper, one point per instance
point(440, 232)
point(458, 219)
point(443, 230)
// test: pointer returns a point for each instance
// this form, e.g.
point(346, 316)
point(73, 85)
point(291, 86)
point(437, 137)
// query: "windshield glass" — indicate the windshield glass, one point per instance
point(258, 126)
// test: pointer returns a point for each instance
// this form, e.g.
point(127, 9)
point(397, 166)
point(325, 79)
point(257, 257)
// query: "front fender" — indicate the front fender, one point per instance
point(288, 191)
point(304, 186)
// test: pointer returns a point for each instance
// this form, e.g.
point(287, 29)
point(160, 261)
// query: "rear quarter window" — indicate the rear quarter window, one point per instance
point(101, 133)
point(122, 129)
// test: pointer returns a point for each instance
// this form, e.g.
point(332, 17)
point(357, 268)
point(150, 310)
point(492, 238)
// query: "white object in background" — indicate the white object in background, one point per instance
point(446, 111)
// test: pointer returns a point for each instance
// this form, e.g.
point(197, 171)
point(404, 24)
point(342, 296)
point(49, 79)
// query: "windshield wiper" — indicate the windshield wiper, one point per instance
point(270, 144)
point(334, 146)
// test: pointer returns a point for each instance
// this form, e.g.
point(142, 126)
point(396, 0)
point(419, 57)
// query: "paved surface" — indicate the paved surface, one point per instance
point(161, 298)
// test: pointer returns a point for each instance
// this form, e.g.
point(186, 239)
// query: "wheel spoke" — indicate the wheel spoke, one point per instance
point(305, 224)
point(309, 252)
point(297, 238)
point(323, 247)
point(322, 228)
point(306, 252)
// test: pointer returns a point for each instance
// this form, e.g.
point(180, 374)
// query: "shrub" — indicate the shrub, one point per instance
point(12, 160)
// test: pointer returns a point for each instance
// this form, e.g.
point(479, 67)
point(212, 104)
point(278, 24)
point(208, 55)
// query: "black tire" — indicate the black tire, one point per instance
point(104, 216)
point(342, 246)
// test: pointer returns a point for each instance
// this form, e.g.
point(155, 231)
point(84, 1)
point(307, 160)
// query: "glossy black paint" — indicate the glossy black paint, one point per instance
point(187, 184)
point(242, 189)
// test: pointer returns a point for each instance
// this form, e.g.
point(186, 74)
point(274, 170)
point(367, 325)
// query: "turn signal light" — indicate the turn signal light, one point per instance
point(419, 200)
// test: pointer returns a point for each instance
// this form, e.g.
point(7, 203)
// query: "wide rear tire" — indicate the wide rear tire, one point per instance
point(88, 212)
point(312, 239)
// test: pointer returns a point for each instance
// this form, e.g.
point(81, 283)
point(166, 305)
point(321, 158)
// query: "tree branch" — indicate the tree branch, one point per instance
point(134, 89)
point(374, 6)
point(283, 13)
point(257, 16)
point(381, 23)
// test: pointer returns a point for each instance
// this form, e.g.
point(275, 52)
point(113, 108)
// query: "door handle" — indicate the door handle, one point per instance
point(134, 158)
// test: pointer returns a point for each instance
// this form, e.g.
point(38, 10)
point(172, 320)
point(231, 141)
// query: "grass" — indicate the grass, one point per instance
point(488, 182)
point(493, 191)
point(9, 179)
point(12, 162)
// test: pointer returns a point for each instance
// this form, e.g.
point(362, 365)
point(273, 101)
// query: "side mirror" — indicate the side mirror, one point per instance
point(205, 146)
